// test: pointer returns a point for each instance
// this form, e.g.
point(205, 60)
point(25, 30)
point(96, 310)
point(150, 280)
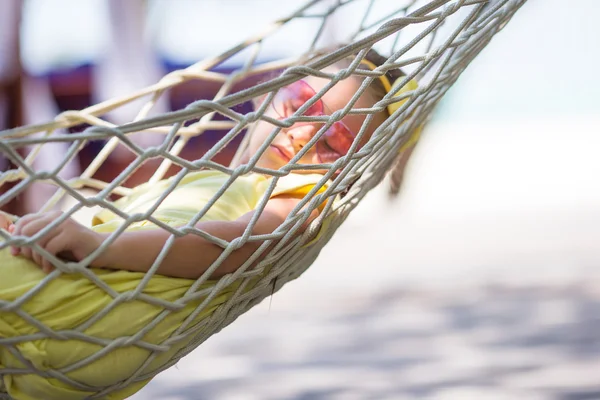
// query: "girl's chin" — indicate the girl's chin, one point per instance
point(275, 162)
point(267, 162)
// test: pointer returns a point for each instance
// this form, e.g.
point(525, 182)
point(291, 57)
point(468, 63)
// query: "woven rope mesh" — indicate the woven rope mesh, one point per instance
point(432, 42)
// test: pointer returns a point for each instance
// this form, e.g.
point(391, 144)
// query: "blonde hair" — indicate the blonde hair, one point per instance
point(377, 89)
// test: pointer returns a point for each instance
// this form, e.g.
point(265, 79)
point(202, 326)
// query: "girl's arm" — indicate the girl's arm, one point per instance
point(188, 257)
point(191, 255)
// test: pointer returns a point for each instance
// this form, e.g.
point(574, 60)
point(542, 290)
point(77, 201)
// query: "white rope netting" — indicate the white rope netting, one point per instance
point(431, 41)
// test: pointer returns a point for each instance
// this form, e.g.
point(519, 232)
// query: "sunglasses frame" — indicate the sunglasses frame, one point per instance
point(326, 151)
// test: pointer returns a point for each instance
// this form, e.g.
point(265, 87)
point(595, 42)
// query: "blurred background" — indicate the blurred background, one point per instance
point(479, 282)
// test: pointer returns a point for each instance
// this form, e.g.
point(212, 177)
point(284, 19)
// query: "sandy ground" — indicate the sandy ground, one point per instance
point(481, 282)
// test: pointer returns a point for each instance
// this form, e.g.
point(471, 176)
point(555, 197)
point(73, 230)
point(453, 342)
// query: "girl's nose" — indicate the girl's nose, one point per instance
point(300, 135)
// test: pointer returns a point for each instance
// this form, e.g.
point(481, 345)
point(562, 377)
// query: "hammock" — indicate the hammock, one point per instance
point(431, 41)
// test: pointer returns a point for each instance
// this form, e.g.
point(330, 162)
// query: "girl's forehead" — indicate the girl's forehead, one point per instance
point(338, 96)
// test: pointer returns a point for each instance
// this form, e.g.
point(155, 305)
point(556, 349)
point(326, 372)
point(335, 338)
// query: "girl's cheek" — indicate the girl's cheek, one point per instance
point(261, 131)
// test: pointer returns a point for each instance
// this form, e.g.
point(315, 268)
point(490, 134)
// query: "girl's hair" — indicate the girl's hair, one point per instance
point(392, 74)
point(377, 88)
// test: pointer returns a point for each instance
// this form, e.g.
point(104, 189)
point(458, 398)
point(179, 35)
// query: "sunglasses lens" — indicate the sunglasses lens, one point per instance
point(335, 142)
point(290, 98)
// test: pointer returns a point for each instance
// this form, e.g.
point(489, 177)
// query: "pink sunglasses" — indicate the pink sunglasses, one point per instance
point(336, 141)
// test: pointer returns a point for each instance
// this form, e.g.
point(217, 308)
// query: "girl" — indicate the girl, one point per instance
point(68, 302)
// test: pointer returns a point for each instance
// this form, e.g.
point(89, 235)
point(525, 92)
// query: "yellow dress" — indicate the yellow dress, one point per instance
point(70, 300)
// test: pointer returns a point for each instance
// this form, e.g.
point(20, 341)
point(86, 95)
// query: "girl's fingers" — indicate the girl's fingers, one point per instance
point(47, 267)
point(51, 244)
point(56, 244)
point(18, 230)
point(29, 227)
point(37, 258)
point(44, 240)
point(4, 222)
point(25, 251)
point(21, 222)
point(53, 241)
point(43, 243)
point(59, 246)
point(35, 225)
point(33, 255)
point(23, 225)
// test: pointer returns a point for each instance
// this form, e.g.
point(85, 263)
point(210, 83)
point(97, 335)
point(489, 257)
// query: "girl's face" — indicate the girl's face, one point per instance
point(333, 144)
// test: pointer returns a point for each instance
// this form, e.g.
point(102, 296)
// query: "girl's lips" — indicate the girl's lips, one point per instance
point(282, 152)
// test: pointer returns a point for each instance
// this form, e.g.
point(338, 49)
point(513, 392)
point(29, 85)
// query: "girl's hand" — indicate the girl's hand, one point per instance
point(68, 240)
point(5, 222)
